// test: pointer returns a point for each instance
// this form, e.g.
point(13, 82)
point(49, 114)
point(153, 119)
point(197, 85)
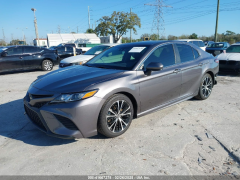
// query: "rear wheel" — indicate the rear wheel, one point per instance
point(116, 116)
point(205, 88)
point(47, 65)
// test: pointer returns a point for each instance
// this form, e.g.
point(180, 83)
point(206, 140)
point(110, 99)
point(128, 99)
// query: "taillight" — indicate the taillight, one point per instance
point(216, 61)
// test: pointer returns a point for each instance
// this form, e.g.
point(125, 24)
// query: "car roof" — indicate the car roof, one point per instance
point(110, 44)
point(188, 40)
point(238, 44)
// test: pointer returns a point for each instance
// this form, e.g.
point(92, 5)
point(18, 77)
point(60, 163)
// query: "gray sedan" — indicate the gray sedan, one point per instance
point(120, 84)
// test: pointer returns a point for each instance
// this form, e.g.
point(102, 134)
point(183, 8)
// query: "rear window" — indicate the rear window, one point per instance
point(185, 52)
point(195, 52)
point(216, 45)
point(233, 49)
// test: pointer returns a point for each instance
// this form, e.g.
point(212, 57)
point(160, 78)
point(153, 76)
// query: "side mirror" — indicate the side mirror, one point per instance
point(153, 66)
point(4, 54)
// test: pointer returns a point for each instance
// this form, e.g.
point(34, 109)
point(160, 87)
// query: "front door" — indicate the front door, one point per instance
point(161, 87)
point(13, 60)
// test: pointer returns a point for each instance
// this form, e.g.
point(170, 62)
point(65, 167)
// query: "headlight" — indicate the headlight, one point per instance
point(77, 63)
point(64, 98)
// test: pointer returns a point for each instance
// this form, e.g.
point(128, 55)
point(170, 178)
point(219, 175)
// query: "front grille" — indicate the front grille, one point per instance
point(66, 122)
point(39, 104)
point(222, 62)
point(232, 62)
point(35, 96)
point(34, 118)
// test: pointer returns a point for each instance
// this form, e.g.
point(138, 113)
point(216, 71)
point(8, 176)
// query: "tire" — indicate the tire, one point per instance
point(205, 88)
point(112, 122)
point(47, 65)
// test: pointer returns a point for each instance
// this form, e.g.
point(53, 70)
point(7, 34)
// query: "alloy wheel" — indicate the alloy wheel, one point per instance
point(118, 116)
point(206, 87)
point(48, 65)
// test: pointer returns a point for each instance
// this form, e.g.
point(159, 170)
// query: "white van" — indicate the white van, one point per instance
point(197, 42)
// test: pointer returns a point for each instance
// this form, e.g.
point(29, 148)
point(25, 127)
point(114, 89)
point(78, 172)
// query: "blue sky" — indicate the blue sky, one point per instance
point(185, 16)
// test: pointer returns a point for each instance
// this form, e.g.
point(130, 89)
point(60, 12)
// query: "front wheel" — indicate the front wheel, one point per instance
point(205, 88)
point(47, 65)
point(116, 116)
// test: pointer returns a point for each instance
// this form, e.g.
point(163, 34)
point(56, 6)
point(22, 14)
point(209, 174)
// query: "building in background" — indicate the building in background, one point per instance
point(109, 39)
point(80, 40)
point(42, 41)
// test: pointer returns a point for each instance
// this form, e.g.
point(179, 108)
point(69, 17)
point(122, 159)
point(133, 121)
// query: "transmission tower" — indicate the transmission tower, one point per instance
point(158, 20)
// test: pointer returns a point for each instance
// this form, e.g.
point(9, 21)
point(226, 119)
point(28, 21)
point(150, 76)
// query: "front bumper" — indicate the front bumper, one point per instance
point(66, 120)
point(229, 65)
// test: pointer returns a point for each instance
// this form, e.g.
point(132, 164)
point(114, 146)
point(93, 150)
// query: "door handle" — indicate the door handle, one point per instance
point(177, 71)
point(20, 57)
point(200, 64)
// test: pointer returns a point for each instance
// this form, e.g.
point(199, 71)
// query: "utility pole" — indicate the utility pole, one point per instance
point(35, 24)
point(3, 35)
point(59, 29)
point(216, 28)
point(88, 18)
point(131, 28)
point(158, 21)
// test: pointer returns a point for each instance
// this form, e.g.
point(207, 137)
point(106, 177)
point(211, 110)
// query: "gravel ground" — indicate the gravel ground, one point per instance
point(191, 138)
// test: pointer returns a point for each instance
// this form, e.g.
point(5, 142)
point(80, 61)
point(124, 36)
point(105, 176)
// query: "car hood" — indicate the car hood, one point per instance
point(77, 58)
point(229, 56)
point(215, 49)
point(74, 79)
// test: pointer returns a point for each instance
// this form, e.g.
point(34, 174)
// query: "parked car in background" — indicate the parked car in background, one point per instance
point(197, 42)
point(207, 43)
point(66, 51)
point(217, 48)
point(124, 82)
point(230, 61)
point(81, 59)
point(27, 57)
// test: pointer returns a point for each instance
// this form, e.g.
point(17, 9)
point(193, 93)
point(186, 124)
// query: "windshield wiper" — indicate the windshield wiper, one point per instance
point(87, 65)
point(101, 67)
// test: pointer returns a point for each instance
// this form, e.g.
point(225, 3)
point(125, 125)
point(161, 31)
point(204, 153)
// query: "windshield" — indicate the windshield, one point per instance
point(2, 49)
point(216, 45)
point(233, 49)
point(123, 57)
point(96, 50)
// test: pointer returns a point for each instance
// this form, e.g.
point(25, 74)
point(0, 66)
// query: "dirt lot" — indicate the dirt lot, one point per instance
point(172, 141)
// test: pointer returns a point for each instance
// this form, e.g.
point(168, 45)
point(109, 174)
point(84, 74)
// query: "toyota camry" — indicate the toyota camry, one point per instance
point(119, 85)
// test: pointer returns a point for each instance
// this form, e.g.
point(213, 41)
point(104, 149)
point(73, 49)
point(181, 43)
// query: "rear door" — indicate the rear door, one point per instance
point(13, 60)
point(30, 57)
point(191, 67)
point(61, 52)
point(69, 51)
point(161, 87)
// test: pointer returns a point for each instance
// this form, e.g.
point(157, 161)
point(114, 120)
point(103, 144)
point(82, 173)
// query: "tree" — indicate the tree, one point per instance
point(145, 35)
point(90, 31)
point(117, 24)
point(14, 42)
point(171, 37)
point(183, 36)
point(73, 33)
point(229, 33)
point(2, 42)
point(154, 37)
point(193, 36)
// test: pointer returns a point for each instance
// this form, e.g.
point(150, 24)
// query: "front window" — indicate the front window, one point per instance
point(233, 49)
point(216, 45)
point(96, 50)
point(123, 57)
